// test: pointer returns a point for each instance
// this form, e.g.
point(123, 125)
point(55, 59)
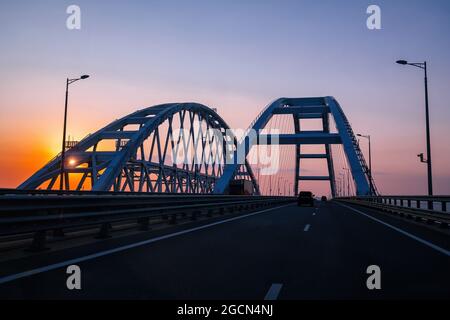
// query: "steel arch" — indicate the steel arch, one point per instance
point(127, 165)
point(308, 108)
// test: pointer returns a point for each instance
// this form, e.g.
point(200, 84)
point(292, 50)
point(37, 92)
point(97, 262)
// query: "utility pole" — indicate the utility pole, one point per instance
point(423, 66)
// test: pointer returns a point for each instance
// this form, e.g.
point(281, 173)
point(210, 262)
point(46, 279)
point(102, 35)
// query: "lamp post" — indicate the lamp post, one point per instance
point(370, 160)
point(63, 149)
point(423, 66)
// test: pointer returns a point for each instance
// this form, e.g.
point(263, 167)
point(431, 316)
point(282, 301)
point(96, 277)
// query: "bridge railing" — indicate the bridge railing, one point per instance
point(433, 203)
point(429, 209)
point(44, 192)
point(33, 217)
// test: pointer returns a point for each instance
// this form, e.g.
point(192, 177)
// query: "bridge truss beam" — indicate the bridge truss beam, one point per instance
point(308, 108)
point(172, 148)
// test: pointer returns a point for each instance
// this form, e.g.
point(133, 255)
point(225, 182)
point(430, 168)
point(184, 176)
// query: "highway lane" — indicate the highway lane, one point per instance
point(293, 253)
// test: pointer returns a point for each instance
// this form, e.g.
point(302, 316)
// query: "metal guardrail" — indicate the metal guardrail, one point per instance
point(22, 205)
point(408, 206)
point(35, 214)
point(10, 192)
point(433, 203)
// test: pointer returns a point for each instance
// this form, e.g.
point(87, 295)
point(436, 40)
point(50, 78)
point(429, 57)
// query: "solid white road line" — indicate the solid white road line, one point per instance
point(423, 241)
point(54, 266)
point(307, 227)
point(273, 292)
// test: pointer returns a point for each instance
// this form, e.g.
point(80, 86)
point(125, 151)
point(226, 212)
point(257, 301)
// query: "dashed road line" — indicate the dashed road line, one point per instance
point(273, 292)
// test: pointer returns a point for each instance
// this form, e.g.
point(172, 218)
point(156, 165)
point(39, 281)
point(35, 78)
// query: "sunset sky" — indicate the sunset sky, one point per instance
point(236, 56)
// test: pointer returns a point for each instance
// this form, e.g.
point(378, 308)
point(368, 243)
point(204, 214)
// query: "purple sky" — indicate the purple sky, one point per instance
point(235, 56)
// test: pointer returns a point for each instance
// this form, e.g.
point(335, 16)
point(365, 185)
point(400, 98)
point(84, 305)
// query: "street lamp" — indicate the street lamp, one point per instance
point(63, 149)
point(370, 160)
point(423, 66)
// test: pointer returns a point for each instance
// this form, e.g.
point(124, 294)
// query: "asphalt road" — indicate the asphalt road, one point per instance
point(283, 253)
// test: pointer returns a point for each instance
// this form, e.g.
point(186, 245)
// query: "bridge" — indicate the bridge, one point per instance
point(147, 210)
point(189, 148)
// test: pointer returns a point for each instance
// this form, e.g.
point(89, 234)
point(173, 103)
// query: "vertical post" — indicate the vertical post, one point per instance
point(270, 184)
point(370, 167)
point(259, 169)
point(427, 116)
point(297, 154)
point(348, 182)
point(63, 149)
point(297, 168)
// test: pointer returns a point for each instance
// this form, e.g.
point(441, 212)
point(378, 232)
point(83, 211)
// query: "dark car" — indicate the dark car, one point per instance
point(305, 198)
point(323, 198)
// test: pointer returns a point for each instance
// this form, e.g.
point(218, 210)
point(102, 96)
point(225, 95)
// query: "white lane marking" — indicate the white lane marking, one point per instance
point(307, 227)
point(273, 292)
point(58, 265)
point(423, 241)
point(314, 213)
